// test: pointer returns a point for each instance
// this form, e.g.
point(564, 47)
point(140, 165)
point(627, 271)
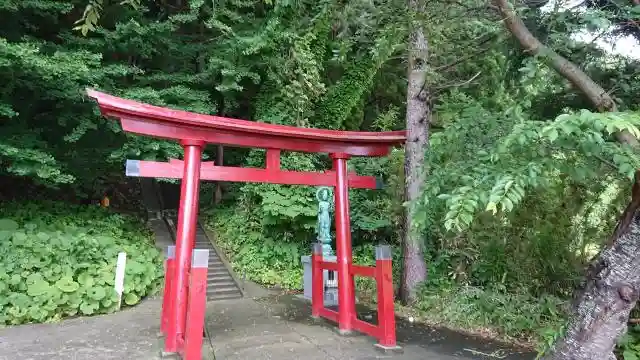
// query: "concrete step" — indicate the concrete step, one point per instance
point(228, 292)
point(216, 288)
point(214, 297)
point(216, 277)
point(217, 265)
point(221, 284)
point(227, 280)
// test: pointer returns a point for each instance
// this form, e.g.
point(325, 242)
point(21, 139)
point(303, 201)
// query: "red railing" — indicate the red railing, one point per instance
point(385, 330)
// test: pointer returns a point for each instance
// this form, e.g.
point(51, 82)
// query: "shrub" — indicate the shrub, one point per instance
point(260, 258)
point(51, 267)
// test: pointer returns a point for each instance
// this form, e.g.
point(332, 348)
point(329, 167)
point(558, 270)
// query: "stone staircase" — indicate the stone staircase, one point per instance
point(161, 201)
point(221, 284)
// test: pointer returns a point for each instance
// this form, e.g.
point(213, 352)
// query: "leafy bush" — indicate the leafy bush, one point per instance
point(507, 314)
point(629, 344)
point(254, 252)
point(264, 260)
point(54, 265)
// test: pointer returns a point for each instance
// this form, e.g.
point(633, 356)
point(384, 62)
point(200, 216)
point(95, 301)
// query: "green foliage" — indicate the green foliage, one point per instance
point(505, 314)
point(58, 263)
point(344, 96)
point(549, 337)
point(573, 145)
point(269, 261)
point(629, 344)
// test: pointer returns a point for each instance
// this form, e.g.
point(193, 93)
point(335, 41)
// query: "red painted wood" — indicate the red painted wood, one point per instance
point(365, 327)
point(317, 283)
point(366, 271)
point(264, 141)
point(167, 123)
point(180, 163)
point(329, 314)
point(329, 265)
point(273, 159)
point(166, 295)
point(185, 239)
point(386, 307)
point(196, 310)
point(346, 286)
point(228, 173)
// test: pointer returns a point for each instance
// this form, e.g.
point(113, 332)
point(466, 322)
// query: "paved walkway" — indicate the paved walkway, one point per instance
point(129, 334)
point(244, 329)
point(264, 332)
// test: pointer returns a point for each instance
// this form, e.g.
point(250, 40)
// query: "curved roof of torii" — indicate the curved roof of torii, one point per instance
point(145, 119)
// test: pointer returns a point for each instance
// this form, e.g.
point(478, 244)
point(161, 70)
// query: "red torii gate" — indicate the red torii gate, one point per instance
point(194, 131)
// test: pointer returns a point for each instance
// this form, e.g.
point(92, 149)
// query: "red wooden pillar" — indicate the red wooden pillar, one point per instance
point(168, 291)
point(317, 281)
point(197, 305)
point(185, 239)
point(386, 310)
point(346, 290)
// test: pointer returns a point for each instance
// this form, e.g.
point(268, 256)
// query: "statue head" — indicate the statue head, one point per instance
point(323, 194)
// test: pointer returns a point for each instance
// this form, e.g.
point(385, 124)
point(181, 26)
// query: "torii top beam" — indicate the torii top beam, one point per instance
point(145, 119)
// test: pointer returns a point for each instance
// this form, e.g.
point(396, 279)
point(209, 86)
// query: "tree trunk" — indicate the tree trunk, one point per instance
point(610, 292)
point(598, 96)
point(417, 122)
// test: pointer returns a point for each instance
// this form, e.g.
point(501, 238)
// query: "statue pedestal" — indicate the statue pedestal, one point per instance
point(330, 281)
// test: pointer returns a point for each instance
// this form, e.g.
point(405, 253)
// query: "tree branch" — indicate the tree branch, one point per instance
point(468, 56)
point(598, 96)
point(447, 86)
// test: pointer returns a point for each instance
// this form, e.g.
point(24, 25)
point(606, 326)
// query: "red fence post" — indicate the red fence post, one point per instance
point(185, 239)
point(346, 288)
point(168, 291)
point(197, 305)
point(386, 309)
point(317, 281)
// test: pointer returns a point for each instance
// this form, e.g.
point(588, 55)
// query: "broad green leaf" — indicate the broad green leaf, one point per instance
point(8, 225)
point(493, 207)
point(96, 293)
point(131, 299)
point(38, 288)
point(630, 355)
point(66, 284)
point(89, 307)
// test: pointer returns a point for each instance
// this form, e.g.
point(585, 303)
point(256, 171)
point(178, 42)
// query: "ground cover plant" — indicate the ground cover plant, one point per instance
point(58, 261)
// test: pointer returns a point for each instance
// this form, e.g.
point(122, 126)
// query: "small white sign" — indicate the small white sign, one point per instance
point(119, 280)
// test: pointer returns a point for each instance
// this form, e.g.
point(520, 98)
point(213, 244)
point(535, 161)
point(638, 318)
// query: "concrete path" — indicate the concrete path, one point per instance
point(245, 329)
point(280, 327)
point(129, 334)
point(262, 332)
